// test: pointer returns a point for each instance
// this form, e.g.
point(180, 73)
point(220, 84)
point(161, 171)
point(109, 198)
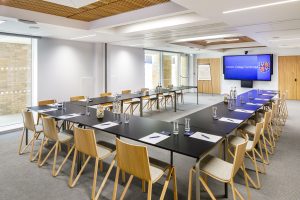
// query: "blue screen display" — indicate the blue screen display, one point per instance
point(248, 67)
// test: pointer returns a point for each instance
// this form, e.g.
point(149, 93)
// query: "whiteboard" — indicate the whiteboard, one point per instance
point(204, 73)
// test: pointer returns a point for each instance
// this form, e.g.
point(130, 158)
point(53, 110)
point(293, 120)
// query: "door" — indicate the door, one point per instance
point(288, 71)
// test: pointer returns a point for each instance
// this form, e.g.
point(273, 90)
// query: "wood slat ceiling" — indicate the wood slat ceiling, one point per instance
point(94, 11)
point(242, 39)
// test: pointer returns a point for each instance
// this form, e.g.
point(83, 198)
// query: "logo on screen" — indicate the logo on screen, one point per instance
point(264, 66)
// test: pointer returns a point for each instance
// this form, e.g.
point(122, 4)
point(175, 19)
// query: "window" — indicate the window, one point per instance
point(15, 78)
point(166, 68)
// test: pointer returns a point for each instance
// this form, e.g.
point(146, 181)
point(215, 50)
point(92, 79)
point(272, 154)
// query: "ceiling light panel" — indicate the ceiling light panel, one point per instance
point(73, 3)
point(208, 37)
point(259, 6)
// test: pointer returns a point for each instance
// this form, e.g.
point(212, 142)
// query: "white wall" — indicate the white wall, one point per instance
point(125, 68)
point(227, 84)
point(68, 68)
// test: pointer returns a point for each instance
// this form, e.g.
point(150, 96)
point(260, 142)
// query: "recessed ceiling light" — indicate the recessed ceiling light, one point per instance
point(222, 40)
point(209, 37)
point(275, 37)
point(259, 6)
point(2, 21)
point(34, 27)
point(85, 36)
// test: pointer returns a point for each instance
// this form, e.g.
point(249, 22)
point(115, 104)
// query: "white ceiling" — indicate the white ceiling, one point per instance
point(157, 27)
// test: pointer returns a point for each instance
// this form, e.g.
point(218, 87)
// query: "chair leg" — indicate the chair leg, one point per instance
point(32, 146)
point(246, 181)
point(95, 179)
point(114, 197)
point(105, 178)
point(190, 183)
point(233, 190)
point(57, 144)
point(21, 142)
point(126, 187)
point(64, 161)
point(143, 185)
point(149, 190)
point(175, 193)
point(254, 162)
point(101, 165)
point(49, 153)
point(71, 182)
point(207, 188)
point(166, 183)
point(123, 176)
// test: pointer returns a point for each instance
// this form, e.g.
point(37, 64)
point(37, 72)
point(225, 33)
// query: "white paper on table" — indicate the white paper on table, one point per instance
point(244, 111)
point(261, 99)
point(53, 104)
point(254, 104)
point(105, 125)
point(94, 106)
point(154, 138)
point(206, 137)
point(47, 110)
point(231, 120)
point(69, 116)
point(268, 94)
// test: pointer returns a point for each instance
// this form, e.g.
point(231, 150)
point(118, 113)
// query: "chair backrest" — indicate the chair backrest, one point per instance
point(28, 120)
point(77, 98)
point(46, 102)
point(85, 141)
point(126, 91)
point(49, 127)
point(274, 109)
point(106, 94)
point(239, 156)
point(258, 131)
point(133, 159)
point(266, 121)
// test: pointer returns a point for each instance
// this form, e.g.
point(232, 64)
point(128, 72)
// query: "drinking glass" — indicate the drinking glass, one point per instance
point(187, 124)
point(250, 96)
point(63, 106)
point(126, 118)
point(175, 127)
point(214, 112)
point(242, 100)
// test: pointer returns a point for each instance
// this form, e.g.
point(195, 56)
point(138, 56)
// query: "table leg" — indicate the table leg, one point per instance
point(175, 101)
point(141, 107)
point(157, 102)
point(225, 158)
point(26, 139)
point(171, 158)
point(198, 184)
point(122, 106)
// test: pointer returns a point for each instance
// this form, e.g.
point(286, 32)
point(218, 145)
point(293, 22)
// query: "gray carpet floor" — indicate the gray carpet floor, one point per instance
point(21, 179)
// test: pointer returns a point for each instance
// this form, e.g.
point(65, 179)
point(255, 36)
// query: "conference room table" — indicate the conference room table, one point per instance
point(139, 127)
point(139, 95)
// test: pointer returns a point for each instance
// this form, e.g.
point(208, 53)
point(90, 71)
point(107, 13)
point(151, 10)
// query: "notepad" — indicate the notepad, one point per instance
point(154, 138)
point(230, 120)
point(260, 99)
point(206, 137)
point(105, 125)
point(254, 104)
point(47, 110)
point(244, 111)
point(69, 116)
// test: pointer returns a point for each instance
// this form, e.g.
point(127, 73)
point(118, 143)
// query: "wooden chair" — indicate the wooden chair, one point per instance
point(222, 171)
point(150, 100)
point(132, 103)
point(251, 151)
point(85, 143)
point(51, 133)
point(44, 103)
point(107, 105)
point(250, 129)
point(30, 126)
point(179, 94)
point(77, 98)
point(134, 160)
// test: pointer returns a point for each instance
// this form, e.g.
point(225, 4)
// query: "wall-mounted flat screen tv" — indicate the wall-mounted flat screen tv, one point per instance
point(248, 67)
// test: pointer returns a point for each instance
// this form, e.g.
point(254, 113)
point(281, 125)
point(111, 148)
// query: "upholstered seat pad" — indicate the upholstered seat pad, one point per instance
point(155, 173)
point(248, 128)
point(65, 136)
point(236, 140)
point(217, 168)
point(38, 128)
point(104, 149)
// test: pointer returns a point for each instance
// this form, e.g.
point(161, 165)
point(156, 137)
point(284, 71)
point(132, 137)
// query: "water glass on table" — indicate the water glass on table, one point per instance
point(214, 112)
point(187, 124)
point(126, 118)
point(175, 127)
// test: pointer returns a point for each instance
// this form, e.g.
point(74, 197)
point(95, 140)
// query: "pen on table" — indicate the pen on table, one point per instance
point(230, 120)
point(106, 123)
point(205, 136)
point(155, 136)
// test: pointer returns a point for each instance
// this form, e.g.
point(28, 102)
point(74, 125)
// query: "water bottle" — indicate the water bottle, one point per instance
point(230, 93)
point(234, 93)
point(87, 112)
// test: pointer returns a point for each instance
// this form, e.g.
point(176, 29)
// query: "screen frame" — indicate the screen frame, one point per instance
point(271, 70)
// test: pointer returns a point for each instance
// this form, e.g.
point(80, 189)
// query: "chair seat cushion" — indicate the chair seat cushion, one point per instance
point(155, 173)
point(39, 128)
point(248, 128)
point(236, 140)
point(104, 149)
point(65, 136)
point(217, 168)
